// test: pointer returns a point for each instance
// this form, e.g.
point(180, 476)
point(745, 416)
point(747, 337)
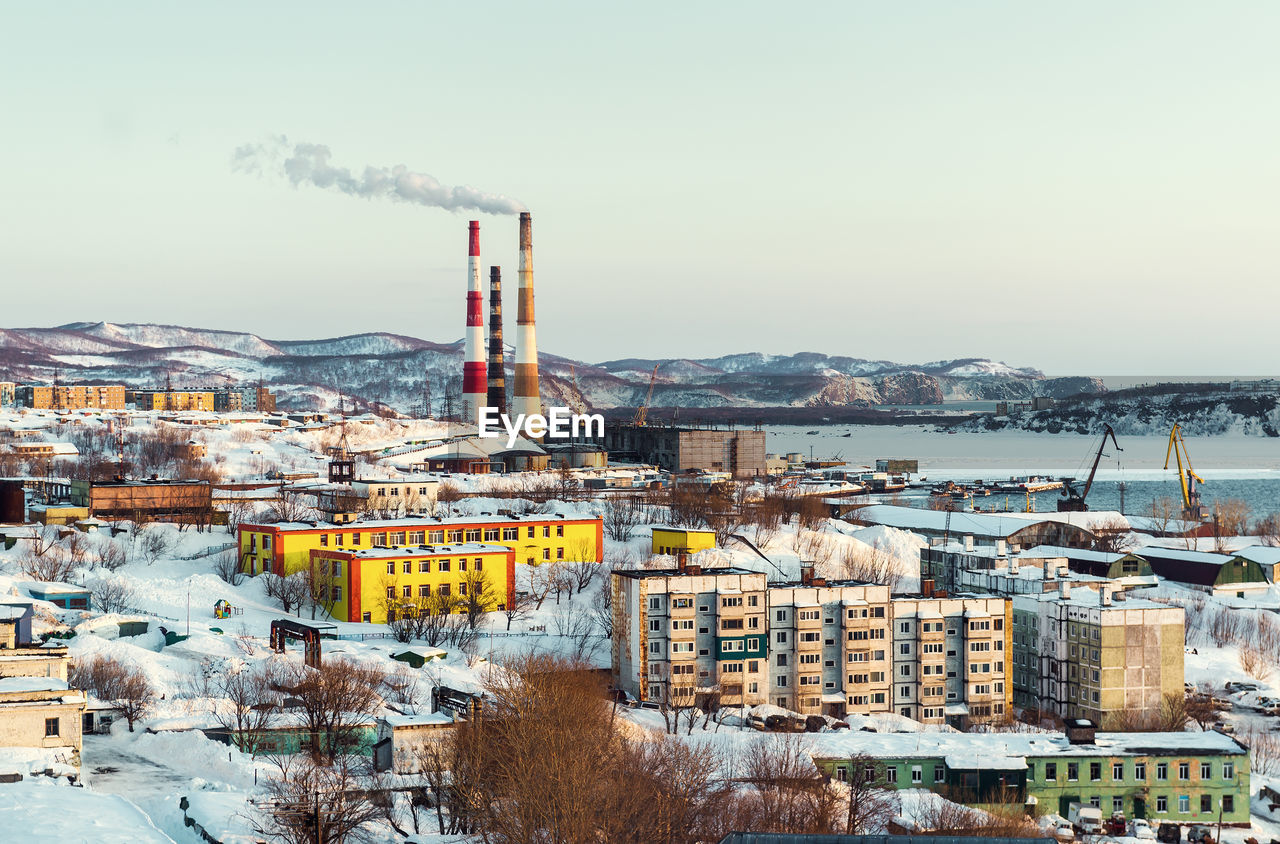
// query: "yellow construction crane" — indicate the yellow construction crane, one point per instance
point(643, 410)
point(1187, 477)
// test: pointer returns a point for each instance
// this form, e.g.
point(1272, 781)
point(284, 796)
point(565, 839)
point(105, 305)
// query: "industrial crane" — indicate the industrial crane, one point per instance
point(1187, 477)
point(577, 399)
point(643, 410)
point(1074, 499)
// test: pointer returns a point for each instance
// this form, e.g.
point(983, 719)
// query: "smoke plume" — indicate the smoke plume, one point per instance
point(305, 163)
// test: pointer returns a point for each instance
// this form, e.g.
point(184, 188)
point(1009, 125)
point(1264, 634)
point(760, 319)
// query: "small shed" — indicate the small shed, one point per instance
point(418, 657)
point(64, 595)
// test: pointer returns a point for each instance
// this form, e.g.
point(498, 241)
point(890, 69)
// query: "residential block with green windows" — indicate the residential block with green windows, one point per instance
point(1183, 777)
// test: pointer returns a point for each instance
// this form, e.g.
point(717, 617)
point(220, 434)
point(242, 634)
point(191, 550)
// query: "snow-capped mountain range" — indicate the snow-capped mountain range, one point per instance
point(394, 370)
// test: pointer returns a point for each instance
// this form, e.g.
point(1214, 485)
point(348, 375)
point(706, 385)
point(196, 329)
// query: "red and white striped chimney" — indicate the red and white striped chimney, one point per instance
point(525, 397)
point(474, 383)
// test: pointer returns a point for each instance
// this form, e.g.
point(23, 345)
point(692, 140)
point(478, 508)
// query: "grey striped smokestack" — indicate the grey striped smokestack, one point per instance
point(497, 368)
point(526, 397)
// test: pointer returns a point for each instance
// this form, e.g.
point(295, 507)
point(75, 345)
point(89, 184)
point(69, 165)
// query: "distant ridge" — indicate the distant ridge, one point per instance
point(390, 369)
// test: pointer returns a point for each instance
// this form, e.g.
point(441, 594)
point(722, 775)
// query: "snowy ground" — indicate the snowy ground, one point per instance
point(137, 779)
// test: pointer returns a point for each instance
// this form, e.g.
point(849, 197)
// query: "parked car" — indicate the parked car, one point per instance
point(1140, 829)
point(1116, 824)
point(1225, 727)
point(1199, 833)
point(1222, 703)
point(1062, 832)
point(1170, 833)
point(1237, 686)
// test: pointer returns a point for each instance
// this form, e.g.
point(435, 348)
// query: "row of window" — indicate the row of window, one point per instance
point(424, 566)
point(406, 592)
point(395, 539)
point(1139, 771)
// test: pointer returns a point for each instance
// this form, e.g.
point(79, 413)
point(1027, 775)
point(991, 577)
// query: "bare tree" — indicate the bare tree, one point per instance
point(250, 703)
point(51, 566)
point(789, 792)
point(517, 606)
point(622, 515)
point(125, 687)
point(477, 596)
point(317, 804)
point(112, 594)
point(602, 610)
point(227, 566)
point(872, 801)
point(334, 701)
point(1112, 535)
point(291, 590)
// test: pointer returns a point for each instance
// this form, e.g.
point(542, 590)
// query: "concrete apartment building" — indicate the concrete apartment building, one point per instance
point(737, 452)
point(811, 647)
point(829, 647)
point(76, 397)
point(682, 635)
point(1094, 654)
point(950, 658)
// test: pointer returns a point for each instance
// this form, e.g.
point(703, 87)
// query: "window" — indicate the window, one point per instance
point(1228, 803)
point(444, 566)
point(51, 726)
point(391, 593)
point(809, 615)
point(1206, 803)
point(560, 553)
point(424, 591)
point(1206, 770)
point(732, 646)
point(1050, 771)
point(1140, 771)
point(917, 775)
point(324, 540)
point(781, 615)
point(680, 603)
point(416, 537)
point(1117, 770)
point(336, 593)
point(1117, 804)
point(731, 601)
point(1184, 770)
point(546, 531)
point(462, 564)
point(780, 682)
point(1184, 804)
point(682, 647)
point(435, 537)
point(336, 568)
point(1228, 770)
point(1162, 805)
point(391, 568)
point(366, 617)
point(492, 534)
point(810, 637)
point(810, 659)
point(407, 592)
point(682, 624)
point(509, 534)
point(1073, 771)
point(455, 537)
point(731, 668)
point(546, 553)
point(655, 603)
point(1095, 771)
point(397, 538)
point(1162, 770)
point(379, 540)
point(891, 773)
point(355, 539)
point(407, 568)
point(730, 624)
point(445, 589)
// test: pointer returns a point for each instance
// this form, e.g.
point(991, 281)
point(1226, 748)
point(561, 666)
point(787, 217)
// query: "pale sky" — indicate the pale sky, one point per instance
point(1085, 188)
